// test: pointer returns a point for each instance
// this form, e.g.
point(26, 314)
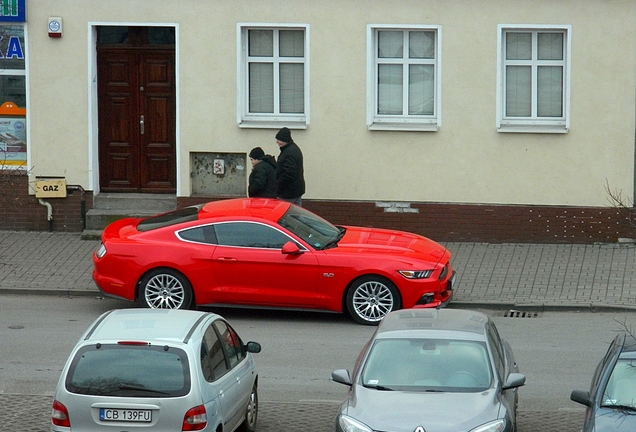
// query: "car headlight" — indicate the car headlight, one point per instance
point(349, 424)
point(101, 251)
point(494, 426)
point(415, 274)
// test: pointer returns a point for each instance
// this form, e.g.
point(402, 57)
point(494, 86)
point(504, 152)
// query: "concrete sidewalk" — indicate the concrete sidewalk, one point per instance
point(537, 276)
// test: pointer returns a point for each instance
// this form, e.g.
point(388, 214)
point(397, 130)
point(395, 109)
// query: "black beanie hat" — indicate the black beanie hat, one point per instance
point(284, 135)
point(257, 153)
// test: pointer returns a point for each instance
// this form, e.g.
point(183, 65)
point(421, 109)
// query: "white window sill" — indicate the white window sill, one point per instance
point(272, 124)
point(415, 127)
point(532, 129)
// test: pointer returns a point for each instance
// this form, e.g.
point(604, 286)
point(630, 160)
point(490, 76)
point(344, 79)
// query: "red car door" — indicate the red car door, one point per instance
point(251, 268)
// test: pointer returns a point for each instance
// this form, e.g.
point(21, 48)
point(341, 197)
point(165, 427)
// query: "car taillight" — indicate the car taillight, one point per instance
point(195, 419)
point(59, 415)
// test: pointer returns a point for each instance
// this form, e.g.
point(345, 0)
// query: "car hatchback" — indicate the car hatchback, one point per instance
point(149, 369)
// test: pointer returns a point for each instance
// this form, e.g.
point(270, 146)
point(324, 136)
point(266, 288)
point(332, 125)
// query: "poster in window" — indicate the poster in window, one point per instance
point(12, 141)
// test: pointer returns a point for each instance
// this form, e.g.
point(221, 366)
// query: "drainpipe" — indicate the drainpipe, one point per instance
point(82, 203)
point(49, 213)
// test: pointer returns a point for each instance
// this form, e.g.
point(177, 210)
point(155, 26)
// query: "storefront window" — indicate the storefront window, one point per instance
point(13, 142)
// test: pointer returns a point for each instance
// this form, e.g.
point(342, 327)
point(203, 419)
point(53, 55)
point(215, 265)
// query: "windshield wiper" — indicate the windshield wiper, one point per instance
point(378, 387)
point(334, 242)
point(140, 388)
point(619, 407)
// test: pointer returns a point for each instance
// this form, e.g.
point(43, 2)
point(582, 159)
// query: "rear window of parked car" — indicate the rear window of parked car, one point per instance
point(186, 214)
point(129, 371)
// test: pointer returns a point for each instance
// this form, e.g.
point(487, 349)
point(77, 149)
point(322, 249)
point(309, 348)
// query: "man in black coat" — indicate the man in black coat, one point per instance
point(290, 177)
point(262, 181)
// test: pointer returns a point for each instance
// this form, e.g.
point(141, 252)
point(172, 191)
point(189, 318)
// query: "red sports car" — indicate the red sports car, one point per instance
point(269, 253)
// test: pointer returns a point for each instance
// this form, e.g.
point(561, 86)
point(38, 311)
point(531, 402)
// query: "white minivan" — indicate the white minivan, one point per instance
point(158, 369)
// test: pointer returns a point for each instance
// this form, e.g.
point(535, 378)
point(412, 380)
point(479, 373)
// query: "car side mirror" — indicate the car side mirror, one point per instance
point(514, 380)
point(341, 376)
point(253, 347)
point(290, 248)
point(582, 397)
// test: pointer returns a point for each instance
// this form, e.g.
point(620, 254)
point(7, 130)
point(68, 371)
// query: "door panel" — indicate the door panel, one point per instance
point(136, 91)
point(265, 277)
point(118, 151)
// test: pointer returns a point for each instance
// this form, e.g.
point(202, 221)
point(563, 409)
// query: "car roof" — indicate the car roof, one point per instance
point(265, 208)
point(146, 325)
point(437, 323)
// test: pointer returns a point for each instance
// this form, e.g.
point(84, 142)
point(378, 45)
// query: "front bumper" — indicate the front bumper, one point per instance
point(433, 300)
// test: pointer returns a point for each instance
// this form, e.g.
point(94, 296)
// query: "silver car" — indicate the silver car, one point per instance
point(158, 369)
point(432, 370)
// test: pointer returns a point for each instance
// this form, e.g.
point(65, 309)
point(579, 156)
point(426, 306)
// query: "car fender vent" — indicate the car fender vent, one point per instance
point(513, 313)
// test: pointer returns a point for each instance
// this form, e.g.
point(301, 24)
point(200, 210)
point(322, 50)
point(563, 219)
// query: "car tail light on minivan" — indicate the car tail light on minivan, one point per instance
point(195, 419)
point(59, 415)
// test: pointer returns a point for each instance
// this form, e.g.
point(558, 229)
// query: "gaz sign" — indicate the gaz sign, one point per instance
point(50, 188)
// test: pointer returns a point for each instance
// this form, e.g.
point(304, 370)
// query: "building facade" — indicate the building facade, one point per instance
point(480, 120)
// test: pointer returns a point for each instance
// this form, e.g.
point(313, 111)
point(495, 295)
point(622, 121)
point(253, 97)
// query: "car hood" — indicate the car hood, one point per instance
point(612, 420)
point(381, 241)
point(405, 411)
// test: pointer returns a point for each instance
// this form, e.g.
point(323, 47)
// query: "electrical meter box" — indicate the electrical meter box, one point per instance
point(50, 188)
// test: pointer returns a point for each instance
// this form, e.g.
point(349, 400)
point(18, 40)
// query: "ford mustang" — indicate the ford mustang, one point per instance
point(269, 253)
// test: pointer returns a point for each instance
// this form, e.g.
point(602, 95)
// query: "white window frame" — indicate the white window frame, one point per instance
point(533, 124)
point(245, 119)
point(404, 122)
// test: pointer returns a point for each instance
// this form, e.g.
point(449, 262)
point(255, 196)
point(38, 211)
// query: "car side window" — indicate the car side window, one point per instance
point(200, 234)
point(248, 234)
point(213, 361)
point(497, 352)
point(231, 343)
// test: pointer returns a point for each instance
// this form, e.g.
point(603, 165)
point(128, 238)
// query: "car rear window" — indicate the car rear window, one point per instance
point(185, 214)
point(129, 371)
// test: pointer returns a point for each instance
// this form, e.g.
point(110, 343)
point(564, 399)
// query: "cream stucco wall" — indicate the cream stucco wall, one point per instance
point(466, 161)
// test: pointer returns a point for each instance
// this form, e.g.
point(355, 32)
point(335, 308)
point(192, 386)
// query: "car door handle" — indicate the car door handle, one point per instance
point(227, 259)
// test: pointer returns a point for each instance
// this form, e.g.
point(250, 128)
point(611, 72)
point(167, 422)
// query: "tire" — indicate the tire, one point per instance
point(164, 288)
point(370, 298)
point(251, 413)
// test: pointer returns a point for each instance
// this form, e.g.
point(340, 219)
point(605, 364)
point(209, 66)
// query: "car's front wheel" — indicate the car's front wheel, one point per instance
point(370, 298)
point(251, 414)
point(165, 288)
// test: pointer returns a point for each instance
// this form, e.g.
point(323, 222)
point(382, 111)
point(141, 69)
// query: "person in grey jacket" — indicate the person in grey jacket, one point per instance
point(262, 180)
point(290, 177)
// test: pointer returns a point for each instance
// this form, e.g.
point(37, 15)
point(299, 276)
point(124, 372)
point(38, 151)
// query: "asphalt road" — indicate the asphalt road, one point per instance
point(557, 351)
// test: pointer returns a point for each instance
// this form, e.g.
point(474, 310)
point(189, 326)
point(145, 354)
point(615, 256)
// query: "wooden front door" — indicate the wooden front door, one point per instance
point(136, 111)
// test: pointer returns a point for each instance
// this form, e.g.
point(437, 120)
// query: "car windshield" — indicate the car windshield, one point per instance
point(621, 387)
point(443, 365)
point(313, 229)
point(129, 371)
point(185, 214)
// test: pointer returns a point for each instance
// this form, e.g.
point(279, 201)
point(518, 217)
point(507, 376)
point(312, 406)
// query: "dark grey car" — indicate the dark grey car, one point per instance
point(611, 401)
point(432, 370)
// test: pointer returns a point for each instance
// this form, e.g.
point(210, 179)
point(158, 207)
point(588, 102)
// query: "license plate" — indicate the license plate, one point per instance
point(125, 415)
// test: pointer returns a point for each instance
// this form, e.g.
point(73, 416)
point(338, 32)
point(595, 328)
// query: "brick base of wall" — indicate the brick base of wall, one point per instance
point(20, 211)
point(477, 223)
point(443, 222)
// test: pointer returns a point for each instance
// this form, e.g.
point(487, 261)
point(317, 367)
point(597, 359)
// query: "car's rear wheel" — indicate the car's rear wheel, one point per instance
point(251, 414)
point(370, 298)
point(165, 288)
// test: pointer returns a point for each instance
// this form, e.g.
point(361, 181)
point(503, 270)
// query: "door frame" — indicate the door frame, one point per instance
point(93, 131)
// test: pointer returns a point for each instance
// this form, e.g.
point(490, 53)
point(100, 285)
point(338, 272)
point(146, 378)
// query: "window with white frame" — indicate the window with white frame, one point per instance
point(273, 76)
point(533, 79)
point(403, 90)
